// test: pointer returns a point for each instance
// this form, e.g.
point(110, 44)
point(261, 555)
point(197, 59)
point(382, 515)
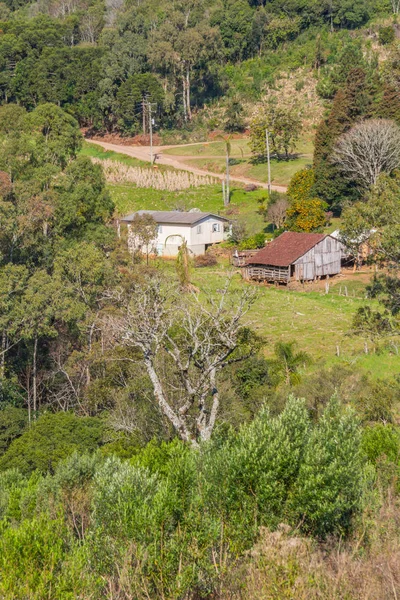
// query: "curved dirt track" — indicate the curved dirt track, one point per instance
point(177, 162)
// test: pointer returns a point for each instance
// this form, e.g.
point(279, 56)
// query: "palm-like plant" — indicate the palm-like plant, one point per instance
point(288, 362)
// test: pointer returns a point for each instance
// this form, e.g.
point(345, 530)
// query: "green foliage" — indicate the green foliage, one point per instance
point(56, 135)
point(31, 556)
point(256, 241)
point(234, 116)
point(305, 212)
point(306, 215)
point(284, 127)
point(386, 35)
point(171, 508)
point(84, 201)
point(351, 102)
point(288, 363)
point(381, 441)
point(329, 486)
point(13, 421)
point(52, 438)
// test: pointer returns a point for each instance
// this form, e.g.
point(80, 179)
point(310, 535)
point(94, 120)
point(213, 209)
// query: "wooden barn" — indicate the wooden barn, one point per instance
point(295, 256)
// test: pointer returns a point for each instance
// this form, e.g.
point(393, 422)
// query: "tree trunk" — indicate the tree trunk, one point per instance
point(227, 179)
point(144, 116)
point(34, 375)
point(184, 97)
point(189, 112)
point(174, 419)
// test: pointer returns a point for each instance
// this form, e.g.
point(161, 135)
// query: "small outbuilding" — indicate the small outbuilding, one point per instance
point(296, 256)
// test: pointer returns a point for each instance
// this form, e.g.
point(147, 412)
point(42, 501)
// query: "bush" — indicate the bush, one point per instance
point(12, 424)
point(386, 35)
point(205, 260)
point(31, 557)
point(254, 242)
point(381, 440)
point(52, 438)
point(329, 488)
point(172, 510)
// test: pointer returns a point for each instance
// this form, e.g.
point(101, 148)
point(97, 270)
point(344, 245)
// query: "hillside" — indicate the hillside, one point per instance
point(199, 300)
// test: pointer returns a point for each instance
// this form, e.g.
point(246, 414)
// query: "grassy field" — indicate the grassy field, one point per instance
point(94, 151)
point(128, 198)
point(239, 148)
point(319, 322)
point(211, 157)
point(281, 170)
point(243, 206)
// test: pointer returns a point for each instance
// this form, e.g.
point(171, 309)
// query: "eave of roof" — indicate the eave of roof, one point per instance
point(174, 217)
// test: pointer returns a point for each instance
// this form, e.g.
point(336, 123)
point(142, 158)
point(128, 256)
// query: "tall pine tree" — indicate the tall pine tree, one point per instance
point(351, 103)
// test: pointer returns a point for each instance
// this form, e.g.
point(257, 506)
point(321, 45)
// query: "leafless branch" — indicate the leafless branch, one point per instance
point(368, 149)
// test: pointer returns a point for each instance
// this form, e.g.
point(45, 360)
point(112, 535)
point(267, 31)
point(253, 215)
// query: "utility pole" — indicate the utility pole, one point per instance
point(151, 131)
point(144, 114)
point(268, 161)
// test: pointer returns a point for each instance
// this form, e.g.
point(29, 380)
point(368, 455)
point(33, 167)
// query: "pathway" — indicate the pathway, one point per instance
point(177, 162)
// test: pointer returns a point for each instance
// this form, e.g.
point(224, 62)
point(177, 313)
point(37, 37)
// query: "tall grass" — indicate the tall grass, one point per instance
point(172, 181)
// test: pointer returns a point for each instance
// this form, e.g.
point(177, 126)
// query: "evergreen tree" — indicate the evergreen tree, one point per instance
point(350, 104)
point(389, 104)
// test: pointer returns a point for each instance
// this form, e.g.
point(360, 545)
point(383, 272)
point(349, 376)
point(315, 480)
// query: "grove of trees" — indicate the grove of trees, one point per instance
point(153, 445)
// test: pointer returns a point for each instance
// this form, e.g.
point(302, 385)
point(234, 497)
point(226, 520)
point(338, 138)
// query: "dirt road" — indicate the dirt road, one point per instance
point(177, 162)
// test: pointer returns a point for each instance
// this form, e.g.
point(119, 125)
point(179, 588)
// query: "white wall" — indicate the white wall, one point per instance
point(196, 239)
point(207, 235)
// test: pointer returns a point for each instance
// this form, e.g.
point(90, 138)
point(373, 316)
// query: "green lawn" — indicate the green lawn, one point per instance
point(319, 322)
point(211, 157)
point(281, 170)
point(239, 147)
point(243, 206)
point(211, 149)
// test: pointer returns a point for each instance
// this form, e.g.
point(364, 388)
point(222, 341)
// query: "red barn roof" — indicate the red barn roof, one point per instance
point(286, 249)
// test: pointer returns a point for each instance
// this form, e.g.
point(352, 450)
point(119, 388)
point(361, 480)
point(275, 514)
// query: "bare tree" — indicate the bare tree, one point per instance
point(368, 149)
point(276, 212)
point(395, 6)
point(197, 339)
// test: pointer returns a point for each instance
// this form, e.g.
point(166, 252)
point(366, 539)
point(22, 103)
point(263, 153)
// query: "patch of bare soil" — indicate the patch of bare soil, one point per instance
point(115, 138)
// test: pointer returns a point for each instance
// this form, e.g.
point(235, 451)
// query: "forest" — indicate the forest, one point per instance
point(169, 431)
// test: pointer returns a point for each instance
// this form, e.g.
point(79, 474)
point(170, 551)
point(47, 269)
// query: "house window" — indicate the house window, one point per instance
point(159, 228)
point(216, 228)
point(198, 228)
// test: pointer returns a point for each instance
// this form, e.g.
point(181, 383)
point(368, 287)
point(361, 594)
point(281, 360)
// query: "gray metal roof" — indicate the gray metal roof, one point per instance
point(174, 216)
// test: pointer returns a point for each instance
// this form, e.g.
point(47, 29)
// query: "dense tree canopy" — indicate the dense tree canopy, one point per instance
point(100, 61)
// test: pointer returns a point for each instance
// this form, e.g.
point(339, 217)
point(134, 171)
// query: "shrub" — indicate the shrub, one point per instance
point(386, 35)
point(254, 242)
point(205, 260)
point(328, 490)
point(31, 557)
point(52, 438)
point(381, 440)
point(12, 424)
point(250, 187)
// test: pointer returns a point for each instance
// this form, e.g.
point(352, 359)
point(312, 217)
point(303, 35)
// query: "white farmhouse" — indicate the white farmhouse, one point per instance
point(200, 230)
